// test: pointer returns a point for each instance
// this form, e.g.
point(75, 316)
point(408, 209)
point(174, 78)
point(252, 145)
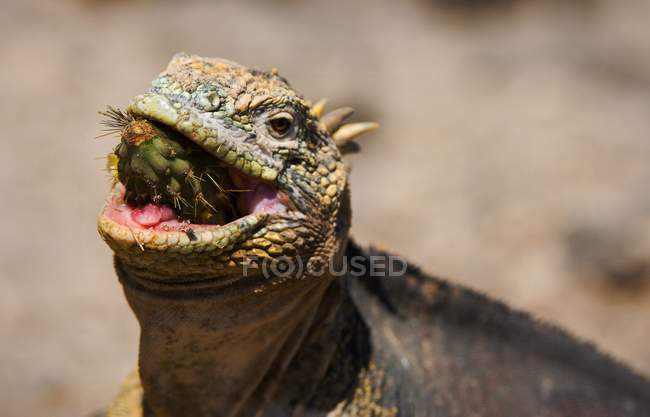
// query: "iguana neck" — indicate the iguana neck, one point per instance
point(211, 353)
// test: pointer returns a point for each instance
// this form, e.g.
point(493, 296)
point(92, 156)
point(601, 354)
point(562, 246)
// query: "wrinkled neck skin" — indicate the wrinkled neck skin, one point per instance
point(214, 353)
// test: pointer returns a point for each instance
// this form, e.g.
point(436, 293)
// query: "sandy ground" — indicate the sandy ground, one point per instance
point(513, 157)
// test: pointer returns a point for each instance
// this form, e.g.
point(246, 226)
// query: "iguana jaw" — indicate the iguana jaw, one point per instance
point(158, 227)
point(118, 224)
point(200, 249)
point(166, 247)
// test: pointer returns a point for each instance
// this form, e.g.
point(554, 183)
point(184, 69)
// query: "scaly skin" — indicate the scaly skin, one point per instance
point(221, 338)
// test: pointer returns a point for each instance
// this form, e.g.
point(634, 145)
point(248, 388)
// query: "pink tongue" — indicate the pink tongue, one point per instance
point(257, 197)
point(265, 199)
point(151, 215)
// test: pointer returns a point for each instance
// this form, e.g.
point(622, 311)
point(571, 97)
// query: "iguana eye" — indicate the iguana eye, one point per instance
point(280, 124)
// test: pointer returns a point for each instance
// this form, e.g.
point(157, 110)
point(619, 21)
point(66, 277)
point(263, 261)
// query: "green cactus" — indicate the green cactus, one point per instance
point(158, 165)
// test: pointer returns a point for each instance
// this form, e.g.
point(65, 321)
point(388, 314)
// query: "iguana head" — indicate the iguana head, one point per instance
point(283, 160)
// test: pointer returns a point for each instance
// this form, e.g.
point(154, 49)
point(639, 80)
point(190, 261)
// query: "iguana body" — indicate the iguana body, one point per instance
point(223, 336)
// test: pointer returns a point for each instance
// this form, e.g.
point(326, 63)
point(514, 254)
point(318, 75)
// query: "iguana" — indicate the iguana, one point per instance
point(276, 312)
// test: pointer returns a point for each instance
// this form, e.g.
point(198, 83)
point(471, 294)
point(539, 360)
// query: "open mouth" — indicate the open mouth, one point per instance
point(251, 198)
point(167, 184)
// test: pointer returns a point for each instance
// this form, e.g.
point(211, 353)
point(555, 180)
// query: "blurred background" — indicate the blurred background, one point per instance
point(514, 157)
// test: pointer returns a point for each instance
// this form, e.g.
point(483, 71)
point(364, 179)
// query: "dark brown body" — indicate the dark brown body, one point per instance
point(447, 351)
point(410, 346)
